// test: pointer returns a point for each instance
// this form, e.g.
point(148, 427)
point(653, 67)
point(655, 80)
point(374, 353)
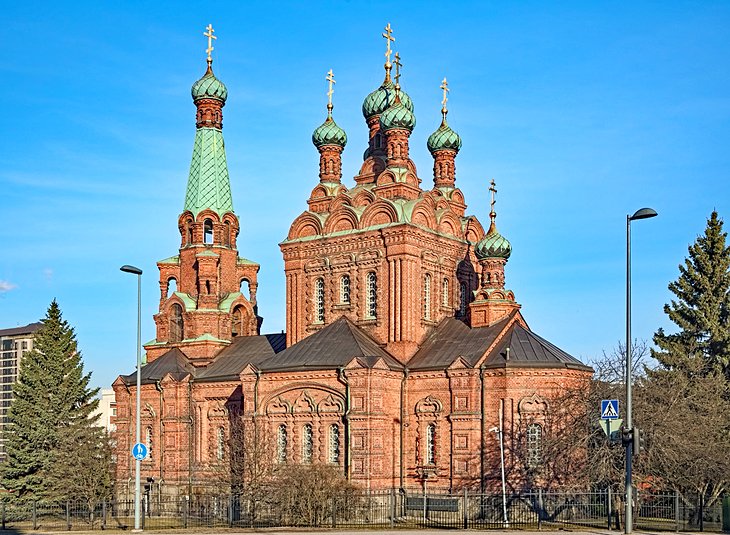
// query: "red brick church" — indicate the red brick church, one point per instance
point(403, 347)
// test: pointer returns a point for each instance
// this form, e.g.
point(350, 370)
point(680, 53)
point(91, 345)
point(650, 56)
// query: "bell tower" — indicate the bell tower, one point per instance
point(207, 292)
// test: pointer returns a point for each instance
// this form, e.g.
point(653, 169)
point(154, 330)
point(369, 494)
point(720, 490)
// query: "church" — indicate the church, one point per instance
point(405, 355)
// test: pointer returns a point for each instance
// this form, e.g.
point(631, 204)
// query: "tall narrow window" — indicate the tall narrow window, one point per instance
point(281, 443)
point(534, 445)
point(462, 299)
point(445, 293)
point(148, 441)
point(431, 444)
point(208, 231)
point(221, 444)
point(307, 443)
point(427, 297)
point(176, 323)
point(371, 301)
point(319, 300)
point(237, 321)
point(345, 290)
point(171, 287)
point(334, 453)
point(189, 231)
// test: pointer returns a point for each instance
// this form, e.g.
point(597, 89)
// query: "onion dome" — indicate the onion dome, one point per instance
point(398, 116)
point(383, 98)
point(493, 245)
point(209, 87)
point(444, 138)
point(328, 133)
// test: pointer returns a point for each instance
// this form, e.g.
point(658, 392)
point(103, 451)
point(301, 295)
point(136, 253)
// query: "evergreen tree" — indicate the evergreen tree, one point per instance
point(702, 308)
point(50, 416)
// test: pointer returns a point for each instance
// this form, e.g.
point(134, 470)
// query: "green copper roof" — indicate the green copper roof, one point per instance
point(398, 116)
point(444, 138)
point(328, 133)
point(382, 98)
point(209, 87)
point(493, 245)
point(208, 183)
point(188, 301)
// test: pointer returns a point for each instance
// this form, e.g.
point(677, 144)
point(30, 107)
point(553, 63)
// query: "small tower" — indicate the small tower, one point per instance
point(202, 306)
point(330, 141)
point(492, 302)
point(444, 145)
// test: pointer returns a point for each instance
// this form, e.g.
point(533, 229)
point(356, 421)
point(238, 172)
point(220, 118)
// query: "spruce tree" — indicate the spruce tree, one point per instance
point(50, 413)
point(702, 308)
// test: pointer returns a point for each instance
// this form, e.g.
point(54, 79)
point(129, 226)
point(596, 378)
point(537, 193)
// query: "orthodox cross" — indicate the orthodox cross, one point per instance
point(388, 35)
point(493, 189)
point(398, 65)
point(445, 87)
point(330, 91)
point(210, 36)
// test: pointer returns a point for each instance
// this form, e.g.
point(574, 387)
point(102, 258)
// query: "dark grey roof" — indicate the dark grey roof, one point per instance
point(173, 362)
point(25, 329)
point(527, 349)
point(244, 350)
point(451, 339)
point(332, 347)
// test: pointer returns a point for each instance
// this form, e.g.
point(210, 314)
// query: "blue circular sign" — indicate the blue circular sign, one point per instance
point(139, 451)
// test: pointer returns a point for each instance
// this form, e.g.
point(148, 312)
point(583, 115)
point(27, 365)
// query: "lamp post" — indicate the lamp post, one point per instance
point(643, 213)
point(500, 436)
point(137, 494)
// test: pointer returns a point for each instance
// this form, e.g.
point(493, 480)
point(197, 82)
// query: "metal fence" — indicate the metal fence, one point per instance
point(388, 509)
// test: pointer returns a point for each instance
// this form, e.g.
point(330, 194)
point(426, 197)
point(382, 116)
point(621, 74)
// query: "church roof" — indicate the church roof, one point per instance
point(174, 362)
point(244, 350)
point(453, 339)
point(209, 185)
point(332, 347)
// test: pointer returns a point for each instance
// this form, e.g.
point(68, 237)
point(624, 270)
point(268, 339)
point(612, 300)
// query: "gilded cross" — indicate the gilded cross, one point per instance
point(330, 91)
point(445, 87)
point(388, 35)
point(210, 36)
point(493, 189)
point(398, 65)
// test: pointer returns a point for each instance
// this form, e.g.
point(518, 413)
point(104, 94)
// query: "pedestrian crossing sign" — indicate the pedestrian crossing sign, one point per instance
point(609, 409)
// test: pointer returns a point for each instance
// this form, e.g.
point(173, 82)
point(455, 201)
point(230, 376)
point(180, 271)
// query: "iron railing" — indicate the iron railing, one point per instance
point(668, 511)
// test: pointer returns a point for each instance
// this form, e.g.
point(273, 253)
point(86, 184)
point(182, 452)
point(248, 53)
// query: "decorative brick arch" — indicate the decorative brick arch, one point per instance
point(380, 212)
point(449, 224)
point(363, 198)
point(344, 218)
point(305, 225)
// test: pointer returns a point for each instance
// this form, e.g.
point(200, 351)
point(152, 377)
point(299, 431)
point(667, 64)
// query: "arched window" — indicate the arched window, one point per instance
point(176, 323)
point(227, 234)
point(427, 297)
point(208, 231)
point(237, 321)
point(148, 441)
point(371, 296)
point(345, 290)
point(189, 231)
point(281, 444)
point(431, 444)
point(534, 445)
point(319, 300)
point(171, 286)
point(445, 293)
point(221, 445)
point(334, 453)
point(307, 443)
point(462, 299)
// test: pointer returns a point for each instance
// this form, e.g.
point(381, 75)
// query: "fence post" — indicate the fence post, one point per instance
point(68, 516)
point(35, 516)
point(676, 510)
point(103, 514)
point(230, 510)
point(539, 508)
point(609, 506)
point(392, 507)
point(466, 512)
point(186, 501)
point(334, 511)
point(702, 512)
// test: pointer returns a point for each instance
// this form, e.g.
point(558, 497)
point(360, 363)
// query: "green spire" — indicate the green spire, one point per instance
point(208, 183)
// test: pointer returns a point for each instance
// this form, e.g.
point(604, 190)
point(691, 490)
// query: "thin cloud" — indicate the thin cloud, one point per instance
point(6, 286)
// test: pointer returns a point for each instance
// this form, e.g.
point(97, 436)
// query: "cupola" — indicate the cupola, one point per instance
point(330, 140)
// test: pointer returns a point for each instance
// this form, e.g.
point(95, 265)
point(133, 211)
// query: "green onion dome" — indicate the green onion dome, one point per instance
point(444, 138)
point(493, 245)
point(398, 116)
point(209, 87)
point(383, 98)
point(328, 133)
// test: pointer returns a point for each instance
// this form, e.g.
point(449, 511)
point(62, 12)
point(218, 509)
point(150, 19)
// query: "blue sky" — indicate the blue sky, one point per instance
point(582, 112)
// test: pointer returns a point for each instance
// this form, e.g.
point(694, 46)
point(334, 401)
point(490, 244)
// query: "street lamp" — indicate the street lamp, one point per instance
point(644, 213)
point(137, 494)
point(500, 435)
